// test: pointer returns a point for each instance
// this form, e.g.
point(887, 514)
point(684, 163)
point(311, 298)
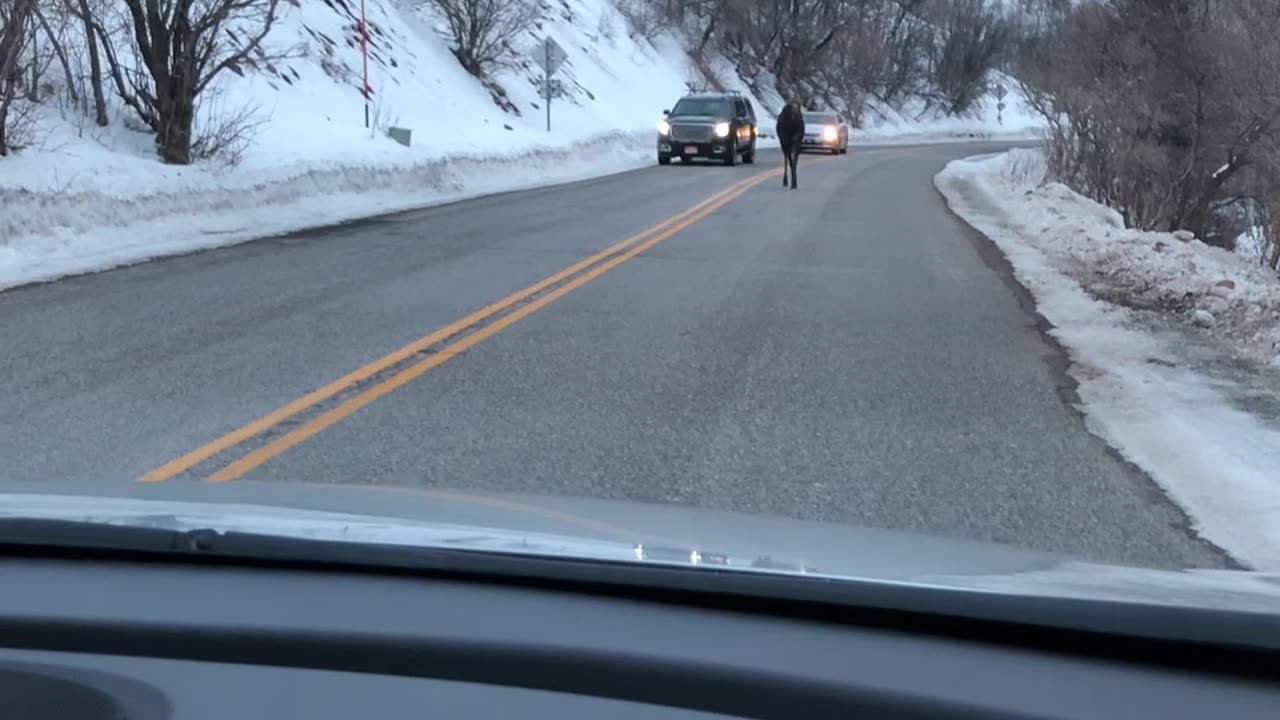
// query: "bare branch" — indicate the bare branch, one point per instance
point(56, 42)
point(16, 18)
point(184, 46)
point(481, 33)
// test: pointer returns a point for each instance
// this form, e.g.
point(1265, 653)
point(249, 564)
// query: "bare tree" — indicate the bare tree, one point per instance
point(84, 13)
point(481, 32)
point(973, 34)
point(644, 17)
point(16, 21)
point(53, 33)
point(182, 46)
point(905, 39)
point(1167, 110)
point(227, 131)
point(834, 52)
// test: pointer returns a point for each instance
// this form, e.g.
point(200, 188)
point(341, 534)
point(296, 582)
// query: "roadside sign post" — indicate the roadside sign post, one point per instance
point(1000, 106)
point(550, 56)
point(364, 53)
point(546, 65)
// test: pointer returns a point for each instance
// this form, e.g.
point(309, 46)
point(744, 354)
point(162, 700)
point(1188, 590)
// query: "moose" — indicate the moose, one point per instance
point(790, 131)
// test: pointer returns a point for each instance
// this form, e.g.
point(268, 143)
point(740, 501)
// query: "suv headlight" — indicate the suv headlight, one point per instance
point(664, 127)
point(829, 133)
point(722, 129)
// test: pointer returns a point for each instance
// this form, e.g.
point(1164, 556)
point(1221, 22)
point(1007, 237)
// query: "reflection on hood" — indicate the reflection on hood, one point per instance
point(637, 532)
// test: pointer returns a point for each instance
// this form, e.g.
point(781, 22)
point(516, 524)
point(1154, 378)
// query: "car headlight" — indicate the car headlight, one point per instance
point(722, 129)
point(829, 133)
point(664, 127)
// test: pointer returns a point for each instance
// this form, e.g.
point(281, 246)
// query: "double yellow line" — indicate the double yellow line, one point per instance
point(464, 333)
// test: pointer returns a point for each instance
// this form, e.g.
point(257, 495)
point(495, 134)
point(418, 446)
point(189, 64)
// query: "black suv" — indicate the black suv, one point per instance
point(715, 126)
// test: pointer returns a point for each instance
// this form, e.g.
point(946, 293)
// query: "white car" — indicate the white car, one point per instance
point(825, 131)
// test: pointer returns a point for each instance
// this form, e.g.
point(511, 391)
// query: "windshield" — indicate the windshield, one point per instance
point(703, 106)
point(1022, 316)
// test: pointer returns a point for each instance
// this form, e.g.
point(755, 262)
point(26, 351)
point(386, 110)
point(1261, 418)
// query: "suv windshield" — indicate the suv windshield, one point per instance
point(821, 118)
point(703, 106)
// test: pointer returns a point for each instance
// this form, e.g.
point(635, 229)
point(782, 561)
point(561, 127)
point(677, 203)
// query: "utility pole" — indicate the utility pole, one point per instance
point(364, 52)
point(546, 80)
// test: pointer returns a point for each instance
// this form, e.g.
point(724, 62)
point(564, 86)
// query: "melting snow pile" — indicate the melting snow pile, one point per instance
point(1230, 295)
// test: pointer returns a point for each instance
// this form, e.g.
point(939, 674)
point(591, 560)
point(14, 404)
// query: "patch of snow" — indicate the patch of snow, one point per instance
point(1219, 463)
point(1251, 243)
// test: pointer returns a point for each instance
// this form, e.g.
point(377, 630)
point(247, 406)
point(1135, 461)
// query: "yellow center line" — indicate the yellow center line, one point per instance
point(328, 418)
point(315, 397)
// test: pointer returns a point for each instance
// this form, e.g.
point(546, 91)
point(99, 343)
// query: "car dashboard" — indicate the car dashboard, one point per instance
point(145, 637)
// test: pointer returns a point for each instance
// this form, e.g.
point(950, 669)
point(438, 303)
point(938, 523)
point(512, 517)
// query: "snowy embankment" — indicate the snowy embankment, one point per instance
point(1221, 464)
point(165, 211)
point(884, 125)
point(87, 198)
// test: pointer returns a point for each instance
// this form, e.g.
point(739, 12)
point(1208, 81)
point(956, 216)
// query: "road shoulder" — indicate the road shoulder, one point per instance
point(1137, 385)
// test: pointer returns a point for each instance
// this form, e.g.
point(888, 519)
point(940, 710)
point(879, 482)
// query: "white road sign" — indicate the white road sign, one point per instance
point(549, 56)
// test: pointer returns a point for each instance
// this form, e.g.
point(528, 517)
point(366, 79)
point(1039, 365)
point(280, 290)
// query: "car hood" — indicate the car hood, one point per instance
point(697, 119)
point(637, 532)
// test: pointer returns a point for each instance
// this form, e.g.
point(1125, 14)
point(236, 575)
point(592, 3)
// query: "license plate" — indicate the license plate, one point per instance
point(690, 149)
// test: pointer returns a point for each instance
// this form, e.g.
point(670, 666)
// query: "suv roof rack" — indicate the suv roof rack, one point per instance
point(714, 93)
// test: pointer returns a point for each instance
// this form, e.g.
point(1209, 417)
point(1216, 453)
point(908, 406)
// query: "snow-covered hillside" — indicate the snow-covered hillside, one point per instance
point(85, 198)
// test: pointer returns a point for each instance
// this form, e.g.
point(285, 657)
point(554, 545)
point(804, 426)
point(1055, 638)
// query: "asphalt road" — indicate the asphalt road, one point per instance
point(846, 352)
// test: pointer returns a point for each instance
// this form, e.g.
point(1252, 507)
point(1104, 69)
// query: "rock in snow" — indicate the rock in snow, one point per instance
point(1214, 304)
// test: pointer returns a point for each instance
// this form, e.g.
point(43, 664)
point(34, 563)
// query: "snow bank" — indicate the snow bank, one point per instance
point(1219, 463)
point(1172, 273)
point(55, 234)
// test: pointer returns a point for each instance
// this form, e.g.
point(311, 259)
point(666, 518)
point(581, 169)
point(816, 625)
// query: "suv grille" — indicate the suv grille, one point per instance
point(692, 133)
